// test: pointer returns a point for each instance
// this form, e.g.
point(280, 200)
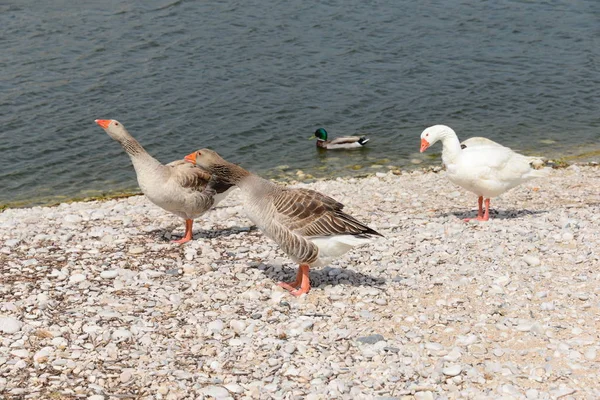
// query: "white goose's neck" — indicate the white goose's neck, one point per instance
point(451, 147)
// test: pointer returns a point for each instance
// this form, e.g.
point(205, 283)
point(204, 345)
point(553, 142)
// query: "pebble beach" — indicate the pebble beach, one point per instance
point(96, 303)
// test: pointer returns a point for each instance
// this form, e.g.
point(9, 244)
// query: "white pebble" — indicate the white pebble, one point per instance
point(215, 326)
point(109, 274)
point(10, 325)
point(121, 335)
point(452, 370)
point(532, 260)
point(237, 326)
point(218, 392)
point(21, 353)
point(77, 278)
point(42, 355)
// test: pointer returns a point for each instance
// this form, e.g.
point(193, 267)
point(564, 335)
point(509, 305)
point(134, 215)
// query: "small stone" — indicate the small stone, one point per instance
point(532, 261)
point(434, 346)
point(237, 326)
point(73, 219)
point(217, 392)
point(12, 242)
point(215, 326)
point(289, 348)
point(125, 375)
point(136, 250)
point(42, 355)
point(452, 370)
point(547, 306)
point(532, 394)
point(590, 354)
point(234, 388)
point(21, 353)
point(163, 390)
point(110, 274)
point(121, 335)
point(425, 395)
point(567, 236)
point(77, 278)
point(10, 325)
point(524, 327)
point(564, 391)
point(371, 339)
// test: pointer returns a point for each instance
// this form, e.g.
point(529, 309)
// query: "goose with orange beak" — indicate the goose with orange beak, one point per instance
point(179, 187)
point(310, 227)
point(483, 167)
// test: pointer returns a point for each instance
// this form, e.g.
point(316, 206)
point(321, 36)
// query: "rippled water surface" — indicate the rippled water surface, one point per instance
point(254, 79)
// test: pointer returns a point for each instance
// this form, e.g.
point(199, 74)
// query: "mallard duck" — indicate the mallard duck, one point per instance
point(310, 227)
point(178, 187)
point(344, 142)
point(483, 167)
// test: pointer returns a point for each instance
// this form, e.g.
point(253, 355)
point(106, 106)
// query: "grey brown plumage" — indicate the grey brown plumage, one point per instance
point(178, 187)
point(310, 213)
point(310, 227)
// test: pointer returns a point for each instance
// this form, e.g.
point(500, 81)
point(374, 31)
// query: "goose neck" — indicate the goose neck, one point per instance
point(451, 147)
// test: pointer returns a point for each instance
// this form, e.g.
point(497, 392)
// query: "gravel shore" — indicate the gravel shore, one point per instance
point(96, 303)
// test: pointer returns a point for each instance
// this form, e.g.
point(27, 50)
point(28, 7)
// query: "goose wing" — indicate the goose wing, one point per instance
point(189, 176)
point(312, 214)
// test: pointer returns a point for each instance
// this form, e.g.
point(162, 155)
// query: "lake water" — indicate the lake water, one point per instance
point(254, 79)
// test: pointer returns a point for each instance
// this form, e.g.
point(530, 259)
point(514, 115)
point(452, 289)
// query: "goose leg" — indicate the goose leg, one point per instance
point(480, 213)
point(487, 210)
point(302, 281)
point(188, 232)
point(291, 286)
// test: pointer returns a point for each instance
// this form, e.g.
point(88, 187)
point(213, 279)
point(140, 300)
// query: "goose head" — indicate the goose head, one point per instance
point(114, 128)
point(205, 158)
point(221, 170)
point(433, 134)
point(321, 134)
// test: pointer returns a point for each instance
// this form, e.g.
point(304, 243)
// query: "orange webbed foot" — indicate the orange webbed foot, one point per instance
point(302, 284)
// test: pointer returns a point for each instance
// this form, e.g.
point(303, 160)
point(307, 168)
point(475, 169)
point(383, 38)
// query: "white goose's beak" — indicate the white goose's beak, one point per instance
point(424, 145)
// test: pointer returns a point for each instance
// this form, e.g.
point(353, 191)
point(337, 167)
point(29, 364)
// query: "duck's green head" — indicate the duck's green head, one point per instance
point(321, 134)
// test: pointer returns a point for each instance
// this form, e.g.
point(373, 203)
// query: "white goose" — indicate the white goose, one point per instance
point(309, 227)
point(483, 166)
point(178, 187)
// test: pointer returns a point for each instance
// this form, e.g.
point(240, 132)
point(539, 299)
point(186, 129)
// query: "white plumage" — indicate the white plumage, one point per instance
point(483, 166)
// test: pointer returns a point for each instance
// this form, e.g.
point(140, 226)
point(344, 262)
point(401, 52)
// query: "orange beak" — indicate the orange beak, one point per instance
point(191, 158)
point(103, 123)
point(424, 145)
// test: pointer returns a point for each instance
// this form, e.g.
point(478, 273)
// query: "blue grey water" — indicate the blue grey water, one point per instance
point(254, 79)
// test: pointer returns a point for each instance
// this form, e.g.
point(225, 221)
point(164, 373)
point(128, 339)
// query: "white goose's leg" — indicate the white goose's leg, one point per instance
point(480, 212)
point(487, 211)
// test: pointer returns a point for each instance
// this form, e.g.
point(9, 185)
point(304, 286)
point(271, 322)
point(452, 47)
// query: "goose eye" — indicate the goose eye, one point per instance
point(427, 134)
point(116, 124)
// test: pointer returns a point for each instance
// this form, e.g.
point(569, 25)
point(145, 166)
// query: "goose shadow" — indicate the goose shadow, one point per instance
point(320, 277)
point(162, 234)
point(494, 214)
